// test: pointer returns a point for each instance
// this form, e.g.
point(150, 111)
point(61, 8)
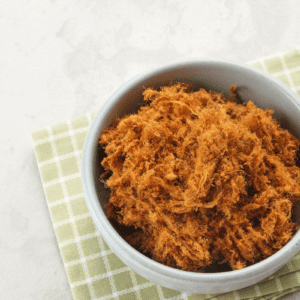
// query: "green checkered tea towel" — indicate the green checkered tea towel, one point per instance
point(93, 270)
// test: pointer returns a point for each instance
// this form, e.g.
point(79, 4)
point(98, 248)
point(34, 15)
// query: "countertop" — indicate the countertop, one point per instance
point(60, 59)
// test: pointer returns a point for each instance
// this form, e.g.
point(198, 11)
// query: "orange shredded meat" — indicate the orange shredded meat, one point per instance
point(204, 179)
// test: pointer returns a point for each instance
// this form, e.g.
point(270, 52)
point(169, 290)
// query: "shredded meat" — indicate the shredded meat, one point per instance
point(204, 179)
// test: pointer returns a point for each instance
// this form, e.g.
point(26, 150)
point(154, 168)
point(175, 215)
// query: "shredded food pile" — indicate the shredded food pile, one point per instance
point(204, 179)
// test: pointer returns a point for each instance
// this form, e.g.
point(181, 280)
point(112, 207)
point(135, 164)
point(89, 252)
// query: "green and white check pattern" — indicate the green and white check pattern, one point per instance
point(94, 272)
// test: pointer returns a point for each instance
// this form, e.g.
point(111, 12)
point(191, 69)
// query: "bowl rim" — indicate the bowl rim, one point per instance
point(106, 229)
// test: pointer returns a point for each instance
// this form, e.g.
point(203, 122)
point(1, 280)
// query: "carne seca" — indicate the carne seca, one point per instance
point(204, 179)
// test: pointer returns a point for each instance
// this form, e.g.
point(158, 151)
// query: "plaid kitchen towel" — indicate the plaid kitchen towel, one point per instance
point(93, 270)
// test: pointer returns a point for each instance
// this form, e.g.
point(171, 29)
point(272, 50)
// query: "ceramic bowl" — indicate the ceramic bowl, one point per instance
point(252, 84)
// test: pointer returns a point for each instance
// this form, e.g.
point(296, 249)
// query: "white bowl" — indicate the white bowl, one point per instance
point(253, 84)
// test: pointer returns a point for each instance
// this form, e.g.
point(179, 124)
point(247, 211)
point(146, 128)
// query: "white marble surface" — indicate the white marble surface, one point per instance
point(62, 58)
